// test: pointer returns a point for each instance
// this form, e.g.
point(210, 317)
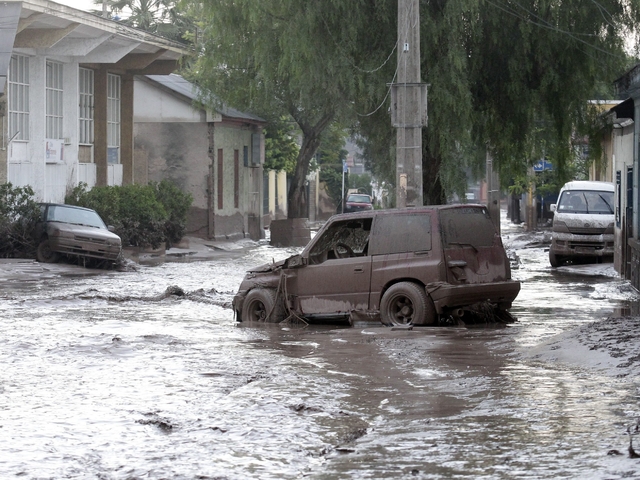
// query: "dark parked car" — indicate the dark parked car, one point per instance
point(402, 266)
point(70, 230)
point(357, 202)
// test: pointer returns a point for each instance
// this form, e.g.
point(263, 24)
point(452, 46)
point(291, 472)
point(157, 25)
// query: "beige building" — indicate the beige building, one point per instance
point(217, 156)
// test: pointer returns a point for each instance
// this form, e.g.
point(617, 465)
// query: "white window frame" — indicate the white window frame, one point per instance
point(114, 89)
point(18, 98)
point(54, 103)
point(85, 106)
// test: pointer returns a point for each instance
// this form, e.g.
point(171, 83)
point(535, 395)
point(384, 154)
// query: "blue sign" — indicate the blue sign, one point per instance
point(344, 167)
point(542, 165)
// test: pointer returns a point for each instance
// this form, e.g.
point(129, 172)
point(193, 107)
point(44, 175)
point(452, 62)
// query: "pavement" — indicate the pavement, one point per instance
point(190, 248)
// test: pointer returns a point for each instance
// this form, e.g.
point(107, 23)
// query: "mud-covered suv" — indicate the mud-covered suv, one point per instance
point(403, 267)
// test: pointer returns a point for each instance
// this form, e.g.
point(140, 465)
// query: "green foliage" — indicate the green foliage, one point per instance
point(281, 149)
point(19, 213)
point(329, 158)
point(361, 182)
point(176, 204)
point(142, 215)
point(161, 17)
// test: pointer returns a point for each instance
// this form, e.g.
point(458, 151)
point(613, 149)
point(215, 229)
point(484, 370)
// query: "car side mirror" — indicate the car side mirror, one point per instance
point(552, 207)
point(111, 228)
point(296, 261)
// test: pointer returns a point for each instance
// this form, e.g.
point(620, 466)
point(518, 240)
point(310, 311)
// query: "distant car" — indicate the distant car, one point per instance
point(413, 266)
point(357, 202)
point(71, 230)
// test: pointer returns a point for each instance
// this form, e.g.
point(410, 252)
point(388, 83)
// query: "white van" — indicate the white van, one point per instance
point(583, 223)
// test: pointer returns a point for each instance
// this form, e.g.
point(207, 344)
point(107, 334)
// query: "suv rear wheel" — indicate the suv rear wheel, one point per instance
point(406, 303)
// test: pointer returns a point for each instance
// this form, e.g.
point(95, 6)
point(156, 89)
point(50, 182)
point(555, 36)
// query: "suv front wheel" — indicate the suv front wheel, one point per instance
point(406, 303)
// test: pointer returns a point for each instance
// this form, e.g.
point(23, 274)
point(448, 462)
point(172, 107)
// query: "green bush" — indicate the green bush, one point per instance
point(176, 203)
point(19, 213)
point(142, 215)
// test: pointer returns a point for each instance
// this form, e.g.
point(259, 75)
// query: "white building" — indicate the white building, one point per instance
point(66, 95)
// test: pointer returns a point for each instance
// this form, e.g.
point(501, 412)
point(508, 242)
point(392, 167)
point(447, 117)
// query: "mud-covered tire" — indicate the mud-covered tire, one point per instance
point(44, 254)
point(407, 303)
point(261, 305)
point(554, 260)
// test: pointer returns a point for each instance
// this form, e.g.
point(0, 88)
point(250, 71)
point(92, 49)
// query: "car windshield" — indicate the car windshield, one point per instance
point(76, 216)
point(586, 201)
point(359, 199)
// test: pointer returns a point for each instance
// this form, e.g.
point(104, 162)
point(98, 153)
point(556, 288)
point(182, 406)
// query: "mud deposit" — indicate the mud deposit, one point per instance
point(145, 374)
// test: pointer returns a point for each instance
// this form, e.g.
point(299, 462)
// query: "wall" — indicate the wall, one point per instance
point(176, 152)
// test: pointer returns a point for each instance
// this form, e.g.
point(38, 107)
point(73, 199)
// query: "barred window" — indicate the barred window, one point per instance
point(85, 102)
point(19, 97)
point(113, 118)
point(54, 106)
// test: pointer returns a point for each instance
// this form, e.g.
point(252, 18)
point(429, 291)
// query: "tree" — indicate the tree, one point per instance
point(161, 17)
point(285, 57)
point(513, 78)
point(281, 149)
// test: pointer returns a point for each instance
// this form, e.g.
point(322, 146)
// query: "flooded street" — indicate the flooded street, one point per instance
point(107, 376)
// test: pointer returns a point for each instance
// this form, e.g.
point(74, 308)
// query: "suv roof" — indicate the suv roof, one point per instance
point(588, 185)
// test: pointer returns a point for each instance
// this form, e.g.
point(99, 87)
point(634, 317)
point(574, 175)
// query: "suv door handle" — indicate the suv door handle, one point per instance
point(358, 270)
point(456, 263)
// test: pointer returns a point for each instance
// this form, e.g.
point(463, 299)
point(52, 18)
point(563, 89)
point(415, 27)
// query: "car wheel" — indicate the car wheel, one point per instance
point(261, 305)
point(44, 253)
point(554, 260)
point(407, 303)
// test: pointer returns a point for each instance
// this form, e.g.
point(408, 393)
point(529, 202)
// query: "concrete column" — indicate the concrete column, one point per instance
point(100, 125)
point(281, 181)
point(4, 134)
point(272, 194)
point(126, 130)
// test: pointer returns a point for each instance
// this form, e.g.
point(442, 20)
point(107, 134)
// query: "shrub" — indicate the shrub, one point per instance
point(19, 213)
point(176, 203)
point(142, 215)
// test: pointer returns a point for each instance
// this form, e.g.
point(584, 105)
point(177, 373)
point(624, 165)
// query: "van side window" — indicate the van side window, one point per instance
point(467, 226)
point(401, 233)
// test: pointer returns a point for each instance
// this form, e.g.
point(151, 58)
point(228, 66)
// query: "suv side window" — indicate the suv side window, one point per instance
point(401, 234)
point(467, 226)
point(352, 233)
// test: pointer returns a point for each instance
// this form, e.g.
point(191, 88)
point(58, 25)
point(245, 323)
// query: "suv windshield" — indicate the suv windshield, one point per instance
point(586, 201)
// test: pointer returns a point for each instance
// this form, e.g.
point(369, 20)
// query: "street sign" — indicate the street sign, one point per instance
point(542, 165)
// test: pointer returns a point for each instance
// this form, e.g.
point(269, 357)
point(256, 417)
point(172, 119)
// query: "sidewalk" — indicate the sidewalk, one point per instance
point(189, 249)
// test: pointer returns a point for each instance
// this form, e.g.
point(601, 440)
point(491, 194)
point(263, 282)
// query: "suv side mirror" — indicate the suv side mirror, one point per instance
point(552, 207)
point(295, 262)
point(111, 228)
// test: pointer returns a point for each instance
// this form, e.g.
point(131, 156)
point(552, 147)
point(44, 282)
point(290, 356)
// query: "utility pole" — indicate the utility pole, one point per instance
point(408, 107)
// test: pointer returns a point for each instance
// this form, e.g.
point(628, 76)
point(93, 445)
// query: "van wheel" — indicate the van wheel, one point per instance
point(261, 305)
point(44, 254)
point(406, 303)
point(554, 260)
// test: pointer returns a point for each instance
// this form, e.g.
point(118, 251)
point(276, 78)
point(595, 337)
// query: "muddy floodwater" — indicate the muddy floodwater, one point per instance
point(105, 375)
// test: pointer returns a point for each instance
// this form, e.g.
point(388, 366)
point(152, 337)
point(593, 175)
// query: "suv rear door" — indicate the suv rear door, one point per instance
point(472, 247)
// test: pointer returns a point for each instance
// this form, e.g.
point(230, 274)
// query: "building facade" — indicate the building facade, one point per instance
point(217, 156)
point(67, 95)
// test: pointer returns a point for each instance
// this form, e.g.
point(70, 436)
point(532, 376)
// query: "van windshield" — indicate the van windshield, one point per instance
point(586, 201)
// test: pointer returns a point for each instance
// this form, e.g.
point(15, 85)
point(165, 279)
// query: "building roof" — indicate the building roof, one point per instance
point(180, 85)
point(55, 30)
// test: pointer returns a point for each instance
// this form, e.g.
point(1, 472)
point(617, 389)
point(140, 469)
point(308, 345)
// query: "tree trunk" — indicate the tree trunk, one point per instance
point(297, 201)
point(433, 193)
